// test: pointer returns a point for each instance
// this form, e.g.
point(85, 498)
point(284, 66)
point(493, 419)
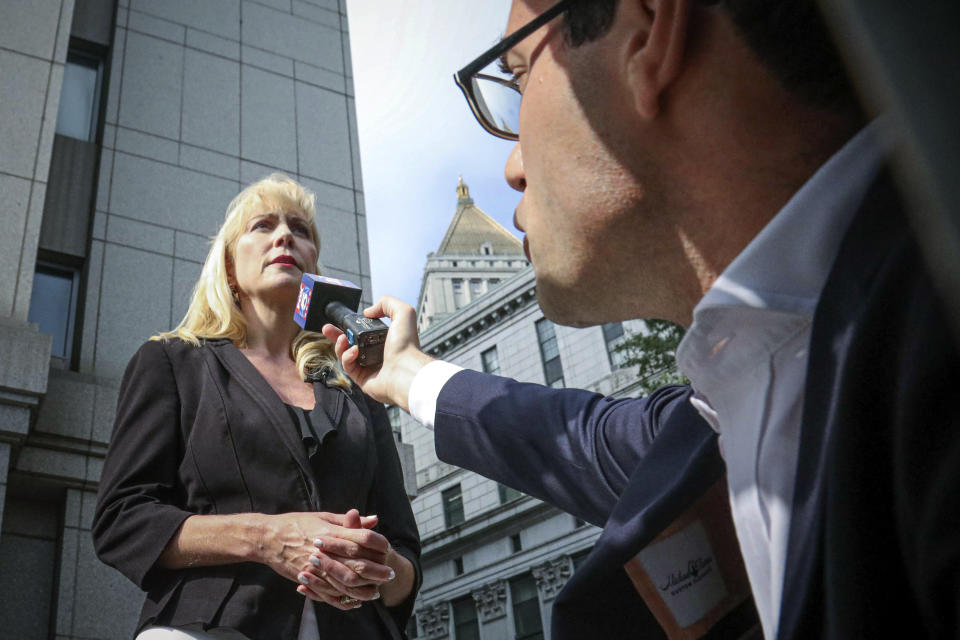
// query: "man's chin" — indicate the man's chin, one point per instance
point(565, 307)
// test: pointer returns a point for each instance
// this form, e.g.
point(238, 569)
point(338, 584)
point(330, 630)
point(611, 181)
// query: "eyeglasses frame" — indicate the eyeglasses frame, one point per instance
point(464, 76)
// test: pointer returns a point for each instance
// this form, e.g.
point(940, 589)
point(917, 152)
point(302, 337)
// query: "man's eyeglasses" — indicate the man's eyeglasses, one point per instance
point(495, 100)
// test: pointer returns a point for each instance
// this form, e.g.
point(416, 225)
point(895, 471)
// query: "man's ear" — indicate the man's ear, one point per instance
point(656, 48)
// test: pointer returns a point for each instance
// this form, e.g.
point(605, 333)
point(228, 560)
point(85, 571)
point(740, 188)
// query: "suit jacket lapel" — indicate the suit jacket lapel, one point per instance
point(865, 246)
point(243, 371)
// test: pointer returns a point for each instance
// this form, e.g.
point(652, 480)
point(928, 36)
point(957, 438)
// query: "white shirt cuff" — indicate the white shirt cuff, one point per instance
point(425, 389)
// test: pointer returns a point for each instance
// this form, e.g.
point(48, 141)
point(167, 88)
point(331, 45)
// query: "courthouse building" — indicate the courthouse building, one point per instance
point(494, 559)
point(126, 126)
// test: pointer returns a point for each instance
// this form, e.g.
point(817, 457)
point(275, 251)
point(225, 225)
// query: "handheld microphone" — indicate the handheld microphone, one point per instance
point(324, 300)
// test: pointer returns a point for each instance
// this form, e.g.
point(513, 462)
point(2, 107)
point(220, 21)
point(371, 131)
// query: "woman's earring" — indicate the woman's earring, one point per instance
point(236, 296)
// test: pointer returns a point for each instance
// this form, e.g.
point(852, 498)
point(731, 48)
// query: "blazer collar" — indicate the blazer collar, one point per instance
point(260, 390)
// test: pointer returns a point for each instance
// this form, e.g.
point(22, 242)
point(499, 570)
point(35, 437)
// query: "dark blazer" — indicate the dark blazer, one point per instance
point(875, 530)
point(199, 431)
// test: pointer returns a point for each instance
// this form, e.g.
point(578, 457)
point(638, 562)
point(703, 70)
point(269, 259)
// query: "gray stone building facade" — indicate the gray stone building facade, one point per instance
point(126, 126)
point(495, 559)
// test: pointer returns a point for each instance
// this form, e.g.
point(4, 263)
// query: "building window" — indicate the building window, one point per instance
point(465, 624)
point(486, 249)
point(412, 628)
point(549, 353)
point(80, 97)
point(507, 494)
point(452, 506)
point(476, 288)
point(493, 281)
point(458, 566)
point(516, 546)
point(459, 295)
point(613, 336)
point(490, 361)
point(53, 305)
point(526, 608)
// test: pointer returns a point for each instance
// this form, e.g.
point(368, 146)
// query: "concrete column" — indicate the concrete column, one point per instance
point(491, 602)
point(4, 467)
point(24, 362)
point(551, 576)
point(33, 50)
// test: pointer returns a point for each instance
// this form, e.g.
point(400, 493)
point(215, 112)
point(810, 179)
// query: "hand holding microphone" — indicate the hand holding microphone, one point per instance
point(402, 358)
point(325, 300)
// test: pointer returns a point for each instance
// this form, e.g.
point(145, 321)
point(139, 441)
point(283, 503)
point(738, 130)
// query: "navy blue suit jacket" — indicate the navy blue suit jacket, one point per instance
point(875, 530)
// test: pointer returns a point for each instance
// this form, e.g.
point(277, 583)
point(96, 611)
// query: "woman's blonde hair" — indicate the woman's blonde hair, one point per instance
point(213, 312)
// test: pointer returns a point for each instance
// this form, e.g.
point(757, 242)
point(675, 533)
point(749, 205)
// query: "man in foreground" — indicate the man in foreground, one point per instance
point(707, 163)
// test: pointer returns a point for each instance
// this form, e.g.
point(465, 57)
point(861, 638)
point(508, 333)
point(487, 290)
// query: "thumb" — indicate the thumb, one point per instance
point(352, 519)
point(387, 307)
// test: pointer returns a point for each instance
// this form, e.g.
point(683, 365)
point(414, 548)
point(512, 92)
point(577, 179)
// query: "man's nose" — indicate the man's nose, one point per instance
point(513, 172)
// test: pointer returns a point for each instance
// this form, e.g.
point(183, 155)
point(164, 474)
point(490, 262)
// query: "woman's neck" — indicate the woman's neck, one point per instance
point(270, 328)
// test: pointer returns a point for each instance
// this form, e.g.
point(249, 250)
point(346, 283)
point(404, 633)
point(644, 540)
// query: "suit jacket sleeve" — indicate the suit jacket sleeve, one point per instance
point(137, 510)
point(572, 448)
point(389, 501)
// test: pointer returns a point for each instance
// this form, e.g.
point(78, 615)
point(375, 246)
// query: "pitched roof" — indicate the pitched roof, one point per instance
point(471, 228)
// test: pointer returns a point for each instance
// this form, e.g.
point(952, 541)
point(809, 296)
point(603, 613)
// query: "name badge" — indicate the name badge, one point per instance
point(692, 575)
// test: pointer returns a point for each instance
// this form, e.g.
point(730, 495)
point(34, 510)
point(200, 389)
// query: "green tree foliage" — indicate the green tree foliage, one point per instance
point(654, 353)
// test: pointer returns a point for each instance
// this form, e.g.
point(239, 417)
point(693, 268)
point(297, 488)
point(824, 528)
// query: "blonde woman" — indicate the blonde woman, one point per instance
point(242, 458)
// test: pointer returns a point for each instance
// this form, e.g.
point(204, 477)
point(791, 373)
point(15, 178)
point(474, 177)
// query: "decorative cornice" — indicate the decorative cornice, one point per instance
point(491, 601)
point(466, 323)
point(434, 619)
point(551, 576)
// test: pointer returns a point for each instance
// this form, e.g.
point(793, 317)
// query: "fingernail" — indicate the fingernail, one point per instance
point(315, 561)
point(376, 596)
point(304, 580)
point(317, 542)
point(393, 574)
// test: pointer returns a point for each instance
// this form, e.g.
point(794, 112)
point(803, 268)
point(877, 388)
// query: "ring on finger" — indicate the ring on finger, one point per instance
point(348, 600)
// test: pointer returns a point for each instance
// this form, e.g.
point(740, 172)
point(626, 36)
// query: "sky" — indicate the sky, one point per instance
point(417, 134)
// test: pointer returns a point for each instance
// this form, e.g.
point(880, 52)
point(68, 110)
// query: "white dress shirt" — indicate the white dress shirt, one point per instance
point(746, 357)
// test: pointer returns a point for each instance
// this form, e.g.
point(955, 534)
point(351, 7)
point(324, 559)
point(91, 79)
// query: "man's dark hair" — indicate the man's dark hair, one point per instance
point(789, 36)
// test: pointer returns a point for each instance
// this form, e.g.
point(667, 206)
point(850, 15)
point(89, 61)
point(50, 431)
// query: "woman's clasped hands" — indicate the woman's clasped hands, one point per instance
point(337, 558)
